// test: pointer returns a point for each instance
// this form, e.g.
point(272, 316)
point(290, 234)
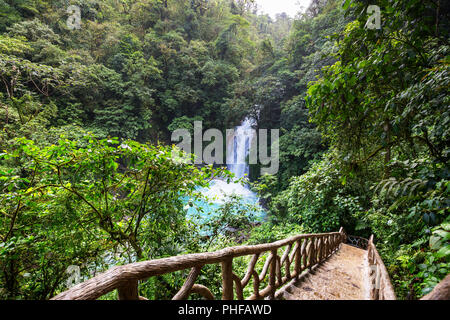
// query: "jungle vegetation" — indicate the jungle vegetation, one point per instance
point(86, 115)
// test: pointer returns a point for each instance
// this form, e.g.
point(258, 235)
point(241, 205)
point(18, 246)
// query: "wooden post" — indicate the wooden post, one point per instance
point(279, 279)
point(272, 275)
point(318, 253)
point(329, 247)
point(239, 288)
point(255, 284)
point(227, 279)
point(370, 250)
point(304, 252)
point(343, 236)
point(312, 255)
point(129, 291)
point(184, 292)
point(298, 259)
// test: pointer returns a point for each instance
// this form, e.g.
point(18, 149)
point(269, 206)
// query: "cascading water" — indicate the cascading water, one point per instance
point(238, 149)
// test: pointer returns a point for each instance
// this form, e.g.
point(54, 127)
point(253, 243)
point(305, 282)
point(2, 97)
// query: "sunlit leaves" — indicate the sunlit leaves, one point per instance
point(81, 192)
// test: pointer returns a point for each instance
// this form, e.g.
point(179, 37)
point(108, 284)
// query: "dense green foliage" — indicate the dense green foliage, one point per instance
point(381, 103)
point(139, 69)
point(363, 117)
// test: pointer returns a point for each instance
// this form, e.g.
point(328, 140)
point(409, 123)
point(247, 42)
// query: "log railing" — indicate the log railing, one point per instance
point(357, 242)
point(285, 260)
point(380, 283)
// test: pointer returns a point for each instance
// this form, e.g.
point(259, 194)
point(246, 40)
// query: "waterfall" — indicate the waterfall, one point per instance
point(238, 149)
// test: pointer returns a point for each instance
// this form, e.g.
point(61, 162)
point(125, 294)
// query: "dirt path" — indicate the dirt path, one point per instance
point(342, 277)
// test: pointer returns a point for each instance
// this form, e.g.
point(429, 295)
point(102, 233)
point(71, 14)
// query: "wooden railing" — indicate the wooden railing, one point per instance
point(297, 254)
point(357, 242)
point(381, 287)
